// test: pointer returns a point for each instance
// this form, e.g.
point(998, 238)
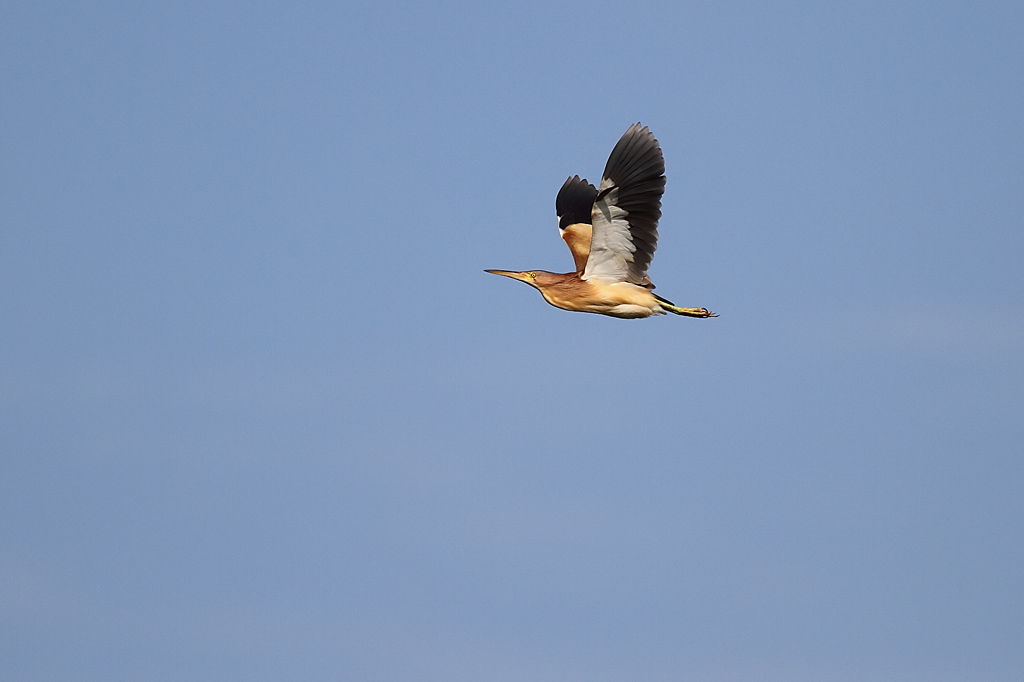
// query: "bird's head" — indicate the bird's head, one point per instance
point(535, 278)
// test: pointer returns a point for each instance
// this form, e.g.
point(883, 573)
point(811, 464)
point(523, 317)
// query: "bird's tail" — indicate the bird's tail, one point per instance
point(688, 312)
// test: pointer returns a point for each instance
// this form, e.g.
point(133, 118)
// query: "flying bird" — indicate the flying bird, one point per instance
point(612, 232)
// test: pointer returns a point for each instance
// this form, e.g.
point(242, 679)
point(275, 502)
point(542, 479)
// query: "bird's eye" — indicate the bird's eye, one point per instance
point(532, 275)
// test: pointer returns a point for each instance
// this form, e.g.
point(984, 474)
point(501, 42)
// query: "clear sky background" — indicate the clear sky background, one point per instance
point(264, 417)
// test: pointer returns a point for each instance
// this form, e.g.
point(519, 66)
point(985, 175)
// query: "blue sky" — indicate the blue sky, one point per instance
point(263, 416)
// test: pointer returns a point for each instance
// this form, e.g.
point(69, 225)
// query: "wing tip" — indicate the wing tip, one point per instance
point(636, 157)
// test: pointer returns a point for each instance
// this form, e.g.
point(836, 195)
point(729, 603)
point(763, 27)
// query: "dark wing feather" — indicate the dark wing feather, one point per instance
point(574, 202)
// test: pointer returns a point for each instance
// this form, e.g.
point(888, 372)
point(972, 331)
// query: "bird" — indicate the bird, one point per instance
point(612, 233)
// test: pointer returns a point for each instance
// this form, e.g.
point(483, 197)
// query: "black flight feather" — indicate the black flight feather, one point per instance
point(574, 202)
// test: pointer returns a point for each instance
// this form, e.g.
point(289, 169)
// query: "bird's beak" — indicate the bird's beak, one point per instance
point(521, 276)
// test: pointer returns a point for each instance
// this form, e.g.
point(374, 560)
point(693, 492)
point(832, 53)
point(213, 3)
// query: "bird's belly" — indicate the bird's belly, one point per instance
point(618, 299)
point(630, 311)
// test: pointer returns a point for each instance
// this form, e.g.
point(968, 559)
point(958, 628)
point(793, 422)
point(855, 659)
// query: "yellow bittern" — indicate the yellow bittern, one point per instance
point(612, 232)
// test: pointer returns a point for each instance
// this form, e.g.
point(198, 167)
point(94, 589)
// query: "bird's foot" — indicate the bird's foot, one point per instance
point(689, 312)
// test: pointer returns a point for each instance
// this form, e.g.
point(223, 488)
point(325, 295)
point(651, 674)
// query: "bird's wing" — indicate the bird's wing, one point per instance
point(627, 209)
point(574, 204)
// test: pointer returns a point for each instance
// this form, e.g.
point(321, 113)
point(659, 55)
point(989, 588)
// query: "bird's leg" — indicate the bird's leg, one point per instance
point(689, 312)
